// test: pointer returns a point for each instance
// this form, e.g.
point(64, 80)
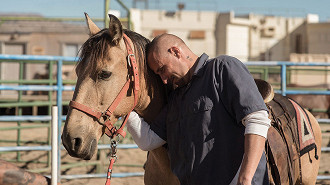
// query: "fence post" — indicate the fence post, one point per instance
point(283, 79)
point(55, 145)
point(59, 114)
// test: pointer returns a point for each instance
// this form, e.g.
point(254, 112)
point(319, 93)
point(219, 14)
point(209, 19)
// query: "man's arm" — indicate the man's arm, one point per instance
point(11, 175)
point(253, 147)
point(257, 125)
point(143, 136)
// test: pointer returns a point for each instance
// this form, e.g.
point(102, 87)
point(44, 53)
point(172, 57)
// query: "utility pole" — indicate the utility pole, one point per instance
point(106, 9)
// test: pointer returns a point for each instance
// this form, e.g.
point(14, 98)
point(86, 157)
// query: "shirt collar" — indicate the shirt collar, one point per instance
point(201, 61)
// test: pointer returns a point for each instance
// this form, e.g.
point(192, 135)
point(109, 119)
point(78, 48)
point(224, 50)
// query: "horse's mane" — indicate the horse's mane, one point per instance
point(95, 52)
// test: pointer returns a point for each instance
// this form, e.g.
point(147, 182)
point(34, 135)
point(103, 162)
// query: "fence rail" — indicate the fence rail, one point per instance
point(59, 87)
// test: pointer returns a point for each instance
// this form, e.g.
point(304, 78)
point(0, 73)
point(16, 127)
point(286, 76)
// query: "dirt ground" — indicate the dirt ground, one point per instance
point(129, 160)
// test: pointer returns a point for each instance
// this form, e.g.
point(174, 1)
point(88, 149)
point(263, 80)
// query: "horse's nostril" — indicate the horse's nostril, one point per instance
point(77, 143)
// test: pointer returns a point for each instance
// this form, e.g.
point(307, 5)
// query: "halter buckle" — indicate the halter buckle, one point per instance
point(129, 60)
point(105, 116)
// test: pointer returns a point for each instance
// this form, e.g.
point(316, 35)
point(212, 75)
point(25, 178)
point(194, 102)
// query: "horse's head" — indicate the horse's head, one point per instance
point(102, 71)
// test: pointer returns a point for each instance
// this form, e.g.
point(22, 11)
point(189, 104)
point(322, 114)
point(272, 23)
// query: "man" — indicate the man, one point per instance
point(203, 123)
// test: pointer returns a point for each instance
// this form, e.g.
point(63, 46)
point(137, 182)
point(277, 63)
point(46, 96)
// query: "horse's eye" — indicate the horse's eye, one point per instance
point(103, 75)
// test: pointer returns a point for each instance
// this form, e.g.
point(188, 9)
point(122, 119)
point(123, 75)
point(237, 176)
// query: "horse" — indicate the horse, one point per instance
point(102, 71)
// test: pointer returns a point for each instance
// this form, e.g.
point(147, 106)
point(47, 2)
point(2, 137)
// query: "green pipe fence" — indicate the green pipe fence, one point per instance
point(52, 88)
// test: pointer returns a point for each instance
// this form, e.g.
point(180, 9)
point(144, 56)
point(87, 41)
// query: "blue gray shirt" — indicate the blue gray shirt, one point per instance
point(202, 121)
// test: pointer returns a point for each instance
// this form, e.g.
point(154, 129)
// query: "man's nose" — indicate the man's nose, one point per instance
point(164, 79)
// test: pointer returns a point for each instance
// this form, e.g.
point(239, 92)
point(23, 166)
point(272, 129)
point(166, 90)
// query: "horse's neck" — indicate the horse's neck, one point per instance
point(152, 99)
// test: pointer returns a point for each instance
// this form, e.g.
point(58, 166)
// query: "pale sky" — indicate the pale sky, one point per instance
point(95, 8)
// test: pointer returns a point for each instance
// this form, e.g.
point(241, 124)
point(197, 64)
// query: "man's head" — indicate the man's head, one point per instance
point(169, 57)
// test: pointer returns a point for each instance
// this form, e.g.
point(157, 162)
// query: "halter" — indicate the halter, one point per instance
point(111, 130)
point(133, 76)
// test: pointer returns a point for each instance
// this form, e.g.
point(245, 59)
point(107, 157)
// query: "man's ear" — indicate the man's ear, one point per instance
point(175, 51)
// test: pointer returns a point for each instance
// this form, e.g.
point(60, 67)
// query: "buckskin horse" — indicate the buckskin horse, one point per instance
point(109, 86)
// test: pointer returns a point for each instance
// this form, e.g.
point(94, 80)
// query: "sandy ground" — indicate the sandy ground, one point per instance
point(132, 157)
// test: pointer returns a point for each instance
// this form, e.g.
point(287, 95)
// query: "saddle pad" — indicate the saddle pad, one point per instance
point(304, 129)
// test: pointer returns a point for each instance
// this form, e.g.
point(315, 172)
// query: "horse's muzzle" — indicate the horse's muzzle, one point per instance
point(77, 148)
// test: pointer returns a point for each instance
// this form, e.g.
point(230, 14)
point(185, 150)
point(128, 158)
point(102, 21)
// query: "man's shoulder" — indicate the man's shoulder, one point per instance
point(224, 60)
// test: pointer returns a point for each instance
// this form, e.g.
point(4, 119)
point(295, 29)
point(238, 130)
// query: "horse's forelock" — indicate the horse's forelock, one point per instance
point(95, 52)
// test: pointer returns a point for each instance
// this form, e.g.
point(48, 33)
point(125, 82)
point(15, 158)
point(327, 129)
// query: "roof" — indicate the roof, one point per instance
point(34, 23)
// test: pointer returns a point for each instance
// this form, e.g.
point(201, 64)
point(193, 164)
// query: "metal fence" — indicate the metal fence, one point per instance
point(58, 86)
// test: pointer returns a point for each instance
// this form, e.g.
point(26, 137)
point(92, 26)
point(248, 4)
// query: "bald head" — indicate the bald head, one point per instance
point(169, 57)
point(162, 43)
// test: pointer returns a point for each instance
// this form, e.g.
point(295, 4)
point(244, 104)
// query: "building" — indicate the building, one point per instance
point(40, 37)
point(196, 28)
point(248, 37)
point(256, 37)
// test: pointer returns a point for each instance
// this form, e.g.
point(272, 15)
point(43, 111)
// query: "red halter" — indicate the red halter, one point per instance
point(112, 131)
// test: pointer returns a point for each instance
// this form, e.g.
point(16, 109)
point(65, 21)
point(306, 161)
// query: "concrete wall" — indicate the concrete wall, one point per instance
point(256, 37)
point(237, 41)
point(150, 23)
point(318, 38)
point(314, 76)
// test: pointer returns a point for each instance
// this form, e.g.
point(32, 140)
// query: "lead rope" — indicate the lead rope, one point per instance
point(136, 87)
point(113, 159)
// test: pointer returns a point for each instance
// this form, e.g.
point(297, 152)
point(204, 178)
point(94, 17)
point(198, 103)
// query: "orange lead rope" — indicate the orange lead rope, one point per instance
point(112, 160)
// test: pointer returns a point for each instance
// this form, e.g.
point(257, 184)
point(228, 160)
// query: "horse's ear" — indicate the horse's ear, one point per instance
point(93, 29)
point(115, 29)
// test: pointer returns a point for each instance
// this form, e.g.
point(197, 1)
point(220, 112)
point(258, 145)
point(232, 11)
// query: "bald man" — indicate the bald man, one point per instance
point(215, 124)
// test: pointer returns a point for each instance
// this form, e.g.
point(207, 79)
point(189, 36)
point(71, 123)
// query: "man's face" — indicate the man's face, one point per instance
point(169, 68)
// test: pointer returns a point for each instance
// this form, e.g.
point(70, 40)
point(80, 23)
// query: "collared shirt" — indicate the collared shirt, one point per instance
point(202, 121)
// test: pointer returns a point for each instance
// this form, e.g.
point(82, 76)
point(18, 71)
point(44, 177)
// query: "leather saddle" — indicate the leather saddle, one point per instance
point(282, 145)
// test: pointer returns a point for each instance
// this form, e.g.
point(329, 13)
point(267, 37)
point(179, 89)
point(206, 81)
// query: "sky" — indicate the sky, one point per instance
point(95, 8)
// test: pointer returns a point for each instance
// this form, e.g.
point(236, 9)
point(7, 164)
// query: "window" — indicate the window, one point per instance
point(267, 32)
point(10, 70)
point(14, 48)
point(197, 34)
point(71, 50)
point(298, 44)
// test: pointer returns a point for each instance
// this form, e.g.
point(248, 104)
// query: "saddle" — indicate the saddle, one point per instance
point(289, 137)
